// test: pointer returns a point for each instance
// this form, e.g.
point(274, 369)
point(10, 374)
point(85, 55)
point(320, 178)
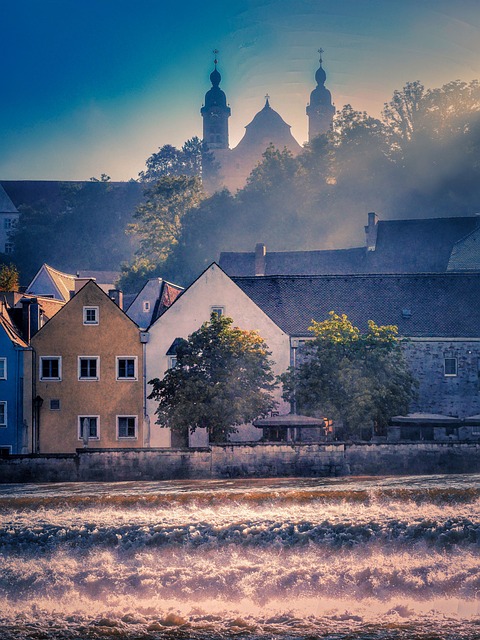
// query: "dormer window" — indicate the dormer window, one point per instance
point(90, 315)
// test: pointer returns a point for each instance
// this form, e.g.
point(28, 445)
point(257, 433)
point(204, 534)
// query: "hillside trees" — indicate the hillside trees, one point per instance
point(158, 223)
point(222, 379)
point(360, 379)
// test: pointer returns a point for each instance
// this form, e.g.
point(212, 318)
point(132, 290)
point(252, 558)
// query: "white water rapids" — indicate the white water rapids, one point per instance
point(349, 558)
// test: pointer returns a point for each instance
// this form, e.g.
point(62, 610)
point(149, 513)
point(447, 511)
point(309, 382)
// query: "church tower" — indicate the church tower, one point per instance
point(215, 113)
point(320, 111)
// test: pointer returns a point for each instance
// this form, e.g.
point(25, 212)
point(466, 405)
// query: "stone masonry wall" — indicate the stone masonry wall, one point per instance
point(245, 460)
point(457, 395)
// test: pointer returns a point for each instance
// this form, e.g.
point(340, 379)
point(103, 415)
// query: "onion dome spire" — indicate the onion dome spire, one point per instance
point(215, 112)
point(320, 111)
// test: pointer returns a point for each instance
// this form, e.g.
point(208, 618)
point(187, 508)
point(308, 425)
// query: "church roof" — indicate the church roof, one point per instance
point(267, 127)
point(421, 305)
point(6, 205)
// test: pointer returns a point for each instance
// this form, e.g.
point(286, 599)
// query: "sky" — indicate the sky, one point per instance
point(97, 86)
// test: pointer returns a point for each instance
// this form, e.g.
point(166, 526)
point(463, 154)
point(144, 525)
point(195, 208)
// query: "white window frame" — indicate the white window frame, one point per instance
point(135, 365)
point(5, 423)
point(89, 379)
point(218, 309)
point(172, 362)
point(79, 427)
point(146, 306)
point(91, 323)
point(47, 379)
point(450, 375)
point(135, 437)
point(4, 361)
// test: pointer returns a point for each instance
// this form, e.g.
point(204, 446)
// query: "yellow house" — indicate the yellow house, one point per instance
point(88, 389)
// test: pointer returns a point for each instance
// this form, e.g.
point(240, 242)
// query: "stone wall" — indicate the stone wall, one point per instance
point(456, 395)
point(245, 460)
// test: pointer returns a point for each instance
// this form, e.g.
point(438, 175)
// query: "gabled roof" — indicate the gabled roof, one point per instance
point(421, 305)
point(11, 331)
point(6, 205)
point(63, 283)
point(159, 293)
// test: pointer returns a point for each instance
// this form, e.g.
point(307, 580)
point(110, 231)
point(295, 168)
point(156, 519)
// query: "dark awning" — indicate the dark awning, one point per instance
point(287, 421)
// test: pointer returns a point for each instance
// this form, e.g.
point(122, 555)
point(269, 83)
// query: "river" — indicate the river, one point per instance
point(341, 558)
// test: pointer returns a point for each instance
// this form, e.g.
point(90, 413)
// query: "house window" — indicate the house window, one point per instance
point(220, 311)
point(50, 368)
point(3, 414)
point(9, 223)
point(172, 362)
point(88, 425)
point(89, 368)
point(126, 368)
point(450, 366)
point(3, 368)
point(146, 305)
point(127, 426)
point(90, 315)
point(54, 405)
point(8, 247)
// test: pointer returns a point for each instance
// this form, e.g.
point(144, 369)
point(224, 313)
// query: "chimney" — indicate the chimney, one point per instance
point(81, 282)
point(371, 231)
point(117, 296)
point(30, 317)
point(260, 259)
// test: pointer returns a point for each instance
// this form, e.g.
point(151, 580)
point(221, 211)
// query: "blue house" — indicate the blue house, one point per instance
point(13, 352)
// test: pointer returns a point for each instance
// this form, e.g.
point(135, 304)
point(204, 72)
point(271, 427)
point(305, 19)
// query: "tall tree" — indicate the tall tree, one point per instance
point(222, 379)
point(158, 224)
point(360, 379)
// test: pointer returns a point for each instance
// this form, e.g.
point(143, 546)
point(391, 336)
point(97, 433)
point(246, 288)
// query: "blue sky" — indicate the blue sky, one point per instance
point(96, 86)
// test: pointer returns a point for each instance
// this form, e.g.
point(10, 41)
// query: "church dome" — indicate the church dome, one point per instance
point(320, 75)
point(267, 127)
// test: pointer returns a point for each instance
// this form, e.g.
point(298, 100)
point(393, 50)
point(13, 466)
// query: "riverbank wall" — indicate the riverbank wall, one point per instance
point(245, 460)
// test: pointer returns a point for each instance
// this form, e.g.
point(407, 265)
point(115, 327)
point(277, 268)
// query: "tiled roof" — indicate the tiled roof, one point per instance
point(403, 246)
point(417, 246)
point(422, 305)
point(465, 254)
point(11, 331)
point(337, 261)
point(65, 282)
point(100, 277)
point(6, 205)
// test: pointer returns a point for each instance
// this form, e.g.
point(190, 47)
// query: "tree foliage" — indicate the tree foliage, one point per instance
point(192, 159)
point(360, 379)
point(158, 223)
point(222, 379)
point(8, 277)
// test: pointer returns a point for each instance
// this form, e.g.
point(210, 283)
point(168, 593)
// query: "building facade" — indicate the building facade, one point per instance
point(88, 377)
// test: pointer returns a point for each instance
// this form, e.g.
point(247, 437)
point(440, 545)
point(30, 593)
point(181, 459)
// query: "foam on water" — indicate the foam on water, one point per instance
point(296, 558)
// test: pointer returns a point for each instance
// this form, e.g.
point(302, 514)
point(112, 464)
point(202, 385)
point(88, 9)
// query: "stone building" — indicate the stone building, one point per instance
point(266, 128)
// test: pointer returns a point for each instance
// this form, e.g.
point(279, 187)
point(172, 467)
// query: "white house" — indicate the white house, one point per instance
point(212, 291)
